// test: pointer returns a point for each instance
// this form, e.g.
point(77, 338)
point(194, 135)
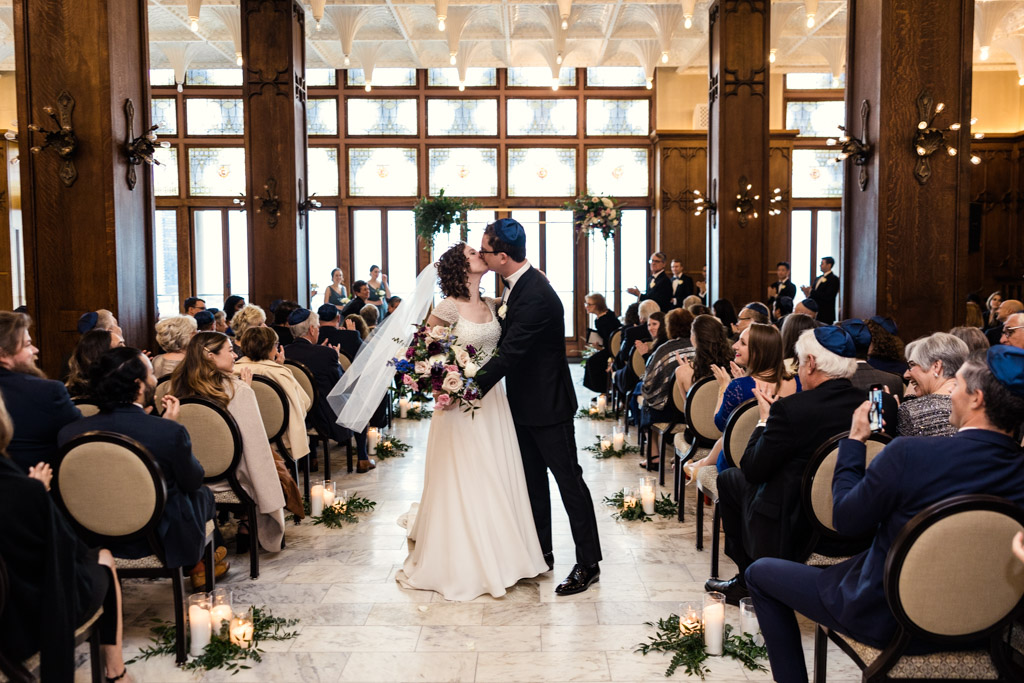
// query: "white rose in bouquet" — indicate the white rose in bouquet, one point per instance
point(422, 367)
point(434, 360)
point(471, 369)
point(438, 332)
point(452, 383)
point(462, 356)
point(607, 202)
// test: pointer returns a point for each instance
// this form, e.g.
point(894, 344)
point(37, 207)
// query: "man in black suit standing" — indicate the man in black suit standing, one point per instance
point(682, 284)
point(824, 291)
point(39, 407)
point(659, 287)
point(360, 293)
point(541, 396)
point(784, 286)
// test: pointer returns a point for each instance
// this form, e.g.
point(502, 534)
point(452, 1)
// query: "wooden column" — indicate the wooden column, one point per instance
point(88, 234)
point(905, 237)
point(738, 148)
point(682, 167)
point(274, 91)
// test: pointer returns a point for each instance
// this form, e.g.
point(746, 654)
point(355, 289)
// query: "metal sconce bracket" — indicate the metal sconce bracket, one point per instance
point(308, 204)
point(139, 150)
point(857, 149)
point(928, 139)
point(62, 139)
point(745, 203)
point(706, 205)
point(269, 202)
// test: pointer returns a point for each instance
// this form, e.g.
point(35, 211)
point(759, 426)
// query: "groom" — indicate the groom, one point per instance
point(531, 358)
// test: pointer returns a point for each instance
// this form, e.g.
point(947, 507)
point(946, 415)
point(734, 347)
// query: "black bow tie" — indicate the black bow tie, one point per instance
point(504, 282)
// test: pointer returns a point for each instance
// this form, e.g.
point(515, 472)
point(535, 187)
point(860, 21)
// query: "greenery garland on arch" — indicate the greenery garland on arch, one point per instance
point(438, 214)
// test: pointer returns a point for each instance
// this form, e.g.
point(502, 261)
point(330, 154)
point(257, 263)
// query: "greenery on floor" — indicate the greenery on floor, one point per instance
point(601, 453)
point(687, 647)
point(341, 511)
point(663, 507)
point(391, 447)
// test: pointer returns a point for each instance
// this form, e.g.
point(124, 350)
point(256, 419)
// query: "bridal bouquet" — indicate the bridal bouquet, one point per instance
point(435, 363)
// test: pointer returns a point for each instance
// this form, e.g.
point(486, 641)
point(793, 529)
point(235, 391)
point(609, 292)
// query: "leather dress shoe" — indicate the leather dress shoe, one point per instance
point(734, 589)
point(366, 465)
point(579, 579)
point(550, 559)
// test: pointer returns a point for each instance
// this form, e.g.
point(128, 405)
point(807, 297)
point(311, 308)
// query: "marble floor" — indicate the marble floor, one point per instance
point(357, 624)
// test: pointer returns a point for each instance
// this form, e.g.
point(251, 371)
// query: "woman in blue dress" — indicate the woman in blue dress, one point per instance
point(336, 293)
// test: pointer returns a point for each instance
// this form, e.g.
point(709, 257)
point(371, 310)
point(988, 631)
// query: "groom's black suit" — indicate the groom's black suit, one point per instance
point(531, 358)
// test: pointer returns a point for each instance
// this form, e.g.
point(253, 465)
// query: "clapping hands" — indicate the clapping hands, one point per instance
point(246, 375)
point(172, 406)
point(766, 396)
point(41, 472)
point(643, 347)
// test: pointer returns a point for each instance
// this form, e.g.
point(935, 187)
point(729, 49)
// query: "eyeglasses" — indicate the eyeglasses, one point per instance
point(1007, 331)
point(488, 251)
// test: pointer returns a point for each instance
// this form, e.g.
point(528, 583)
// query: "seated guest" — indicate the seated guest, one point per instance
point(55, 582)
point(322, 361)
point(726, 313)
point(634, 333)
point(233, 304)
point(204, 320)
point(866, 375)
point(206, 372)
point(250, 315)
point(992, 304)
point(91, 346)
point(355, 322)
point(661, 368)
point(99, 320)
point(370, 315)
point(281, 312)
point(595, 374)
point(972, 336)
point(349, 341)
point(906, 477)
point(808, 307)
point(691, 301)
point(974, 317)
point(934, 361)
point(1013, 331)
point(393, 303)
point(39, 407)
point(265, 356)
point(710, 347)
point(783, 307)
point(886, 352)
point(630, 320)
point(173, 335)
point(792, 327)
point(699, 309)
point(626, 379)
point(1004, 311)
point(220, 322)
point(193, 305)
point(360, 296)
point(754, 312)
point(760, 502)
point(123, 384)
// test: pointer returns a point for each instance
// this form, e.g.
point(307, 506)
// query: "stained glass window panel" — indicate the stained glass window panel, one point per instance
point(323, 250)
point(559, 263)
point(368, 116)
point(165, 174)
point(539, 77)
point(323, 171)
point(165, 114)
point(394, 77)
point(161, 76)
point(321, 77)
point(815, 173)
point(382, 172)
point(617, 171)
point(616, 76)
point(464, 171)
point(322, 116)
point(165, 253)
point(541, 172)
point(213, 77)
point(216, 171)
point(476, 77)
point(816, 119)
point(813, 81)
point(618, 117)
point(462, 117)
point(209, 245)
point(214, 116)
point(541, 117)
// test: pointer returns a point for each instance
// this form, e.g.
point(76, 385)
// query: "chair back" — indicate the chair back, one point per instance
point(951, 575)
point(741, 424)
point(615, 342)
point(817, 482)
point(216, 439)
point(86, 406)
point(638, 363)
point(678, 397)
point(699, 411)
point(344, 361)
point(109, 486)
point(163, 387)
point(304, 377)
point(273, 406)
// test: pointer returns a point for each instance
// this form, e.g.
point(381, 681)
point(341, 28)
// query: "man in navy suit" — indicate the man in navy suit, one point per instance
point(39, 407)
point(909, 474)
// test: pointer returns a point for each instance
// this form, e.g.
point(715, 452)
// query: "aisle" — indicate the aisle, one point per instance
point(357, 624)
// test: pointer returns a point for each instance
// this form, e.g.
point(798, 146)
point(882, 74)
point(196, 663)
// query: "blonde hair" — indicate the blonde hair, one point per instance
point(692, 300)
point(174, 333)
point(250, 315)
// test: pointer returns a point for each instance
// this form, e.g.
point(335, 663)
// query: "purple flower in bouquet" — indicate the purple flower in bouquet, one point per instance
point(410, 352)
point(424, 384)
point(470, 349)
point(435, 349)
point(437, 371)
point(437, 382)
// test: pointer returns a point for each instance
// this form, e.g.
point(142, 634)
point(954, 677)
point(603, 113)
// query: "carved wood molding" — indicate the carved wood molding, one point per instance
point(258, 81)
point(684, 153)
point(756, 80)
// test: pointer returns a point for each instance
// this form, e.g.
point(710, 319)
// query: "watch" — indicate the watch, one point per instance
point(760, 424)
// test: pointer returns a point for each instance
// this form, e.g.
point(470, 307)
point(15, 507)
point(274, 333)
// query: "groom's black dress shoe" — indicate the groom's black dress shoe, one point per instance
point(579, 579)
point(550, 559)
point(734, 589)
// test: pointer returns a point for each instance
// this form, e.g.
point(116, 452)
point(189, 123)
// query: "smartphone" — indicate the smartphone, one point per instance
point(875, 413)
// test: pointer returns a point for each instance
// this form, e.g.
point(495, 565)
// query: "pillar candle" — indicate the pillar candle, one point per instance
point(372, 438)
point(647, 499)
point(403, 407)
point(618, 441)
point(328, 498)
point(602, 404)
point(219, 615)
point(316, 500)
point(628, 501)
point(200, 628)
point(606, 444)
point(714, 627)
point(241, 632)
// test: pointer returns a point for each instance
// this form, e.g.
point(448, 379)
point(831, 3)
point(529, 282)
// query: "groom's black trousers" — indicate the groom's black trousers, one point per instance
point(554, 447)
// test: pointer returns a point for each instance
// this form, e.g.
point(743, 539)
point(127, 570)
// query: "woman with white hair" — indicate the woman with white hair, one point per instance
point(173, 335)
point(933, 362)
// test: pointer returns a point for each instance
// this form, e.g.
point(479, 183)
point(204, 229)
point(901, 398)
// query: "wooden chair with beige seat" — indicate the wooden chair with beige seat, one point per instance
point(86, 406)
point(275, 413)
point(217, 445)
point(700, 435)
point(952, 582)
point(112, 492)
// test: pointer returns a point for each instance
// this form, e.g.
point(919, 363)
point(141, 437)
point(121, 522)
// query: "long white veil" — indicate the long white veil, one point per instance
point(358, 393)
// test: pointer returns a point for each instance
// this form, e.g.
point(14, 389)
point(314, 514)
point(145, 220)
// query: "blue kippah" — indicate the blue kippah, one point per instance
point(760, 308)
point(510, 232)
point(203, 318)
point(810, 305)
point(1007, 366)
point(837, 340)
point(327, 312)
point(87, 322)
point(857, 329)
point(299, 315)
point(887, 324)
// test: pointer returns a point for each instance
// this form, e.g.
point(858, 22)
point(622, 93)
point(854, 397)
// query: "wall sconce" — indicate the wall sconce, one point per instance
point(139, 150)
point(779, 202)
point(239, 201)
point(745, 203)
point(62, 139)
point(707, 205)
point(269, 202)
point(928, 139)
point(309, 204)
point(857, 149)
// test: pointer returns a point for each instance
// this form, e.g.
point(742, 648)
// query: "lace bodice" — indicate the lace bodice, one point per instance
point(484, 336)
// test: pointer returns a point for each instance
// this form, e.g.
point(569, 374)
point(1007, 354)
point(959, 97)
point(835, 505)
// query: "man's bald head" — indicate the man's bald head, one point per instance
point(1008, 308)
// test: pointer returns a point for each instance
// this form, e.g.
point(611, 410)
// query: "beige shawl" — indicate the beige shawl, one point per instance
point(295, 437)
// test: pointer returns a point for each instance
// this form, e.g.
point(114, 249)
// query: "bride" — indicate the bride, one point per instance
point(473, 530)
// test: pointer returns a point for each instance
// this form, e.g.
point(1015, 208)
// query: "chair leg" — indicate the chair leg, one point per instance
point(661, 456)
point(211, 568)
point(700, 517)
point(178, 588)
point(305, 474)
point(254, 543)
point(327, 455)
point(95, 659)
point(716, 523)
point(820, 654)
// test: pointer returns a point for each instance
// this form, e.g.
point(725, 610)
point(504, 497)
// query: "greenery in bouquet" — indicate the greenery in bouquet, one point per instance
point(434, 362)
point(433, 215)
point(585, 356)
point(595, 214)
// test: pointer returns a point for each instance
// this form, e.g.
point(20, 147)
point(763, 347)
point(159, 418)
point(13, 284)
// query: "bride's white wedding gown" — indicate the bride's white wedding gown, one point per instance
point(473, 531)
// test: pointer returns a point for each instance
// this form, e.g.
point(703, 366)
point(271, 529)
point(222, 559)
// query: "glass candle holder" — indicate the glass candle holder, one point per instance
point(690, 617)
point(628, 498)
point(748, 621)
point(242, 630)
point(199, 626)
point(648, 486)
point(316, 500)
point(220, 609)
point(714, 622)
point(618, 439)
point(329, 492)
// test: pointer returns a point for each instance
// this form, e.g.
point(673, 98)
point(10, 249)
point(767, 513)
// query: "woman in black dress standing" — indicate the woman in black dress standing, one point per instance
point(595, 375)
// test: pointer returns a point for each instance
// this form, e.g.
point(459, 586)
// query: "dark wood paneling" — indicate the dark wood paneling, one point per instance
point(996, 194)
point(681, 159)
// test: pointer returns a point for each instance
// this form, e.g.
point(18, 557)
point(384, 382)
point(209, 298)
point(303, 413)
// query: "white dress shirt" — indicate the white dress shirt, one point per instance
point(512, 280)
